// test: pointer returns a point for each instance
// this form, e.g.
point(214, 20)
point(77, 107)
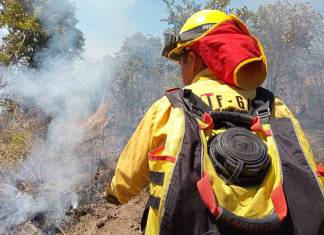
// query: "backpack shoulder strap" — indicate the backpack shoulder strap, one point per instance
point(175, 98)
point(188, 101)
point(265, 95)
point(263, 103)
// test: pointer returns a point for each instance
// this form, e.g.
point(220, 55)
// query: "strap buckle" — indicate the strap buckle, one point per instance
point(264, 113)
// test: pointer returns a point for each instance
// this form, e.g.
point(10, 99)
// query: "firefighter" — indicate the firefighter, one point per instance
point(194, 146)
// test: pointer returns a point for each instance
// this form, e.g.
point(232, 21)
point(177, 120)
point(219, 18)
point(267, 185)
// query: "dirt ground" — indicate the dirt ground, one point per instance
point(105, 218)
point(96, 216)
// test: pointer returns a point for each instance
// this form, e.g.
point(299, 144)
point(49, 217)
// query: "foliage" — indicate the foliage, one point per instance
point(141, 74)
point(25, 34)
point(33, 26)
point(178, 13)
point(290, 34)
point(140, 78)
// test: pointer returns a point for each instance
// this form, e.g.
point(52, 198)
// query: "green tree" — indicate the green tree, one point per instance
point(34, 26)
point(25, 34)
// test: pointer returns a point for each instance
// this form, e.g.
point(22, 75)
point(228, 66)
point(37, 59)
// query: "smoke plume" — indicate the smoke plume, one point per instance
point(68, 91)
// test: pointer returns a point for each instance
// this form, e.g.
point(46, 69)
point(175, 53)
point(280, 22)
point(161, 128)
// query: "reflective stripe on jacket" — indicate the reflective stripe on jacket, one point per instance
point(162, 130)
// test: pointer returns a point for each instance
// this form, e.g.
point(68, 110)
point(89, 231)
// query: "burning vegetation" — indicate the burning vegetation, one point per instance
point(63, 122)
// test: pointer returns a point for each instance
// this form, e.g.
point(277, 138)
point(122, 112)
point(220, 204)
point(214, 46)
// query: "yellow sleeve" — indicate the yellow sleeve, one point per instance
point(132, 171)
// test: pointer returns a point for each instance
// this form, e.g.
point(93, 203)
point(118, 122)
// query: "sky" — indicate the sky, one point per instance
point(105, 23)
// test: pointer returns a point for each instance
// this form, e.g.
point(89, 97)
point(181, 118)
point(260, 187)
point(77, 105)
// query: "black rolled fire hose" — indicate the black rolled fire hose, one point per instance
point(239, 157)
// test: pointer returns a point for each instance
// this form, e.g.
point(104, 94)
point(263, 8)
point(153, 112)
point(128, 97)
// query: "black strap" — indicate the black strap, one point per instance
point(262, 105)
point(176, 99)
point(144, 218)
point(188, 101)
point(266, 96)
point(152, 202)
point(303, 193)
point(231, 119)
point(195, 101)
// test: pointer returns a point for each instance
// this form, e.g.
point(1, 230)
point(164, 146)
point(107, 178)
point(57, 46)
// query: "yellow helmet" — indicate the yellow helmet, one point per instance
point(249, 74)
point(196, 27)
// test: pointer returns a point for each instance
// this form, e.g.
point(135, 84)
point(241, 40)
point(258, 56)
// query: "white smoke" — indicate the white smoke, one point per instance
point(68, 91)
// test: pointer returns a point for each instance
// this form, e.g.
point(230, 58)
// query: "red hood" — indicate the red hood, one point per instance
point(225, 49)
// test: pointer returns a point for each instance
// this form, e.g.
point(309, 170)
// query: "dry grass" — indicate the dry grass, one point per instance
point(18, 130)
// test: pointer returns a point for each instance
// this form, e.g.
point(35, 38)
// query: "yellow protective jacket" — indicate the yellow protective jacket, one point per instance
point(160, 134)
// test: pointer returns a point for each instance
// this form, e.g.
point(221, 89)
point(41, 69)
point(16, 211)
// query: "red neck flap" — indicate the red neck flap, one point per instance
point(225, 48)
